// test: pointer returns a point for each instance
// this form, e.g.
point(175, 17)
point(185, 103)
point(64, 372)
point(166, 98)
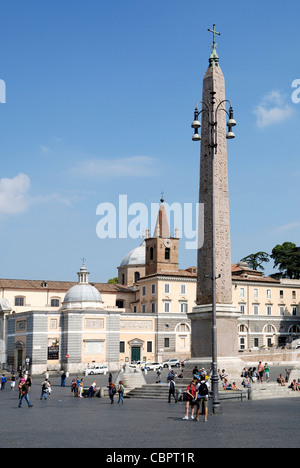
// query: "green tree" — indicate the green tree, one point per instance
point(113, 281)
point(256, 260)
point(287, 258)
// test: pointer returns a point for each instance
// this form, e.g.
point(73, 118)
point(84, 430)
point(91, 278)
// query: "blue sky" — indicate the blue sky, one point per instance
point(99, 101)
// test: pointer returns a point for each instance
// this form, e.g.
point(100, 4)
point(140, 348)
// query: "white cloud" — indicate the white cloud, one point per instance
point(135, 166)
point(14, 194)
point(288, 227)
point(273, 109)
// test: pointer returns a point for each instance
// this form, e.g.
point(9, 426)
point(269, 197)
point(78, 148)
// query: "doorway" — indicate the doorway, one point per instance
point(135, 353)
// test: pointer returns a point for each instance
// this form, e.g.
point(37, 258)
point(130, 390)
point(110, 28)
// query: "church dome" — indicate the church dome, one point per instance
point(137, 256)
point(83, 295)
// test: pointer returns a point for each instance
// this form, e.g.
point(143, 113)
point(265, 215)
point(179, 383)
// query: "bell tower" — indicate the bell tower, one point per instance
point(161, 249)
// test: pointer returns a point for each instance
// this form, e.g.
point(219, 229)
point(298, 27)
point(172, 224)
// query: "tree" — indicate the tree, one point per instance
point(255, 261)
point(287, 258)
point(113, 281)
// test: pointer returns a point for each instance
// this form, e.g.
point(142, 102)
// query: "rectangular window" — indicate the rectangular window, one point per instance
point(153, 307)
point(143, 308)
point(182, 289)
point(152, 289)
point(295, 310)
point(255, 293)
point(167, 342)
point(282, 310)
point(255, 309)
point(269, 293)
point(144, 291)
point(242, 309)
point(167, 288)
point(167, 306)
point(242, 343)
point(134, 309)
point(255, 342)
point(183, 307)
point(149, 346)
point(122, 346)
point(242, 292)
point(269, 310)
point(294, 295)
point(281, 294)
point(19, 301)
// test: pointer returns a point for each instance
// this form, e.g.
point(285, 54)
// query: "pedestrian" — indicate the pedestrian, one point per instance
point(191, 392)
point(80, 389)
point(109, 378)
point(202, 399)
point(63, 379)
point(172, 390)
point(111, 392)
point(287, 375)
point(195, 372)
point(20, 384)
point(45, 387)
point(260, 369)
point(158, 373)
point(3, 382)
point(24, 395)
point(12, 382)
point(29, 382)
point(73, 388)
point(267, 372)
point(121, 392)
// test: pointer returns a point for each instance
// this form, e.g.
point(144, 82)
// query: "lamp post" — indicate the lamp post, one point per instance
point(212, 109)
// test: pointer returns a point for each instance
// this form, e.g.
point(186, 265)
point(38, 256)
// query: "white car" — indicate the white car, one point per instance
point(95, 370)
point(171, 363)
point(139, 364)
point(153, 366)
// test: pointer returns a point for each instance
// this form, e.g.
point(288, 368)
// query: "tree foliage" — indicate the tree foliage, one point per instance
point(287, 258)
point(256, 260)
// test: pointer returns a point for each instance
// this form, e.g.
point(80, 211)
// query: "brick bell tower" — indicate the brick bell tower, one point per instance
point(161, 249)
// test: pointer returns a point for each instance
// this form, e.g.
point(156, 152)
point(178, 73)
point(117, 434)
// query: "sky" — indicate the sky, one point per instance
point(97, 99)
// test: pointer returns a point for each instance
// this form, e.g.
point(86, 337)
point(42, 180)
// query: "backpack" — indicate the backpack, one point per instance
point(203, 390)
point(114, 390)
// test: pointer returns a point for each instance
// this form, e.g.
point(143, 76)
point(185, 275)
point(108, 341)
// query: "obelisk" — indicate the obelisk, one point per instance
point(214, 256)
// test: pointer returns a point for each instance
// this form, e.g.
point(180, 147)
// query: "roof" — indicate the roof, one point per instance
point(137, 256)
point(58, 285)
point(242, 272)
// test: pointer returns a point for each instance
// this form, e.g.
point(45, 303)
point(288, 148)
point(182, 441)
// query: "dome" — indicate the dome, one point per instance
point(82, 296)
point(136, 257)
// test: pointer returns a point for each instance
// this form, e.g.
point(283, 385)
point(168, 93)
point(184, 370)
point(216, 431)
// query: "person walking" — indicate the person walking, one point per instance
point(80, 389)
point(172, 390)
point(202, 399)
point(191, 392)
point(24, 395)
point(111, 392)
point(45, 388)
point(73, 388)
point(3, 382)
point(121, 392)
point(12, 382)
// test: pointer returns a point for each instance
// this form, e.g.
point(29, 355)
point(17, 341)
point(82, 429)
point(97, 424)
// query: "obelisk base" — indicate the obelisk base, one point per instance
point(227, 337)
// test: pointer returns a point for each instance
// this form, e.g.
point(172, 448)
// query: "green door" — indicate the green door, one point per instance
point(135, 353)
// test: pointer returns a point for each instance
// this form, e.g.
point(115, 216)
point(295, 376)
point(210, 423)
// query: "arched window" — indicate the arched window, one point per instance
point(167, 253)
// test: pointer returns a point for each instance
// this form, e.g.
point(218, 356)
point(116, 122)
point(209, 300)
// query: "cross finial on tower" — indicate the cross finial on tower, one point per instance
point(162, 197)
point(83, 261)
point(214, 45)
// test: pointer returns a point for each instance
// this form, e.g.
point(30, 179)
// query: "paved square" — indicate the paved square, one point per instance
point(62, 421)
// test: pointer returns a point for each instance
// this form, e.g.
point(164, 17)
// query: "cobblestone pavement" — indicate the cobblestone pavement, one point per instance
point(62, 421)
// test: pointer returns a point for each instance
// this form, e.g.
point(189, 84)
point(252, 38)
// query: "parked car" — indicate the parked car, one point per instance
point(140, 364)
point(152, 366)
point(171, 363)
point(95, 370)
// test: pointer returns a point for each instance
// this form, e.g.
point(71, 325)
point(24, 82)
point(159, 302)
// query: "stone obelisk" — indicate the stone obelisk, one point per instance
point(214, 256)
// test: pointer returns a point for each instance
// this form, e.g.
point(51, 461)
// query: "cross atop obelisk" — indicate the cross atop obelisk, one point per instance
point(214, 45)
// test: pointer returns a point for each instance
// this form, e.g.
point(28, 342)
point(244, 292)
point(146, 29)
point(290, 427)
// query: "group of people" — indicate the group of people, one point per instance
point(254, 375)
point(197, 393)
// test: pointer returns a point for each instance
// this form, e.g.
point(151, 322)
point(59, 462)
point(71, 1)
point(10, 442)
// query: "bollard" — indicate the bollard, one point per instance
point(250, 396)
point(101, 392)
